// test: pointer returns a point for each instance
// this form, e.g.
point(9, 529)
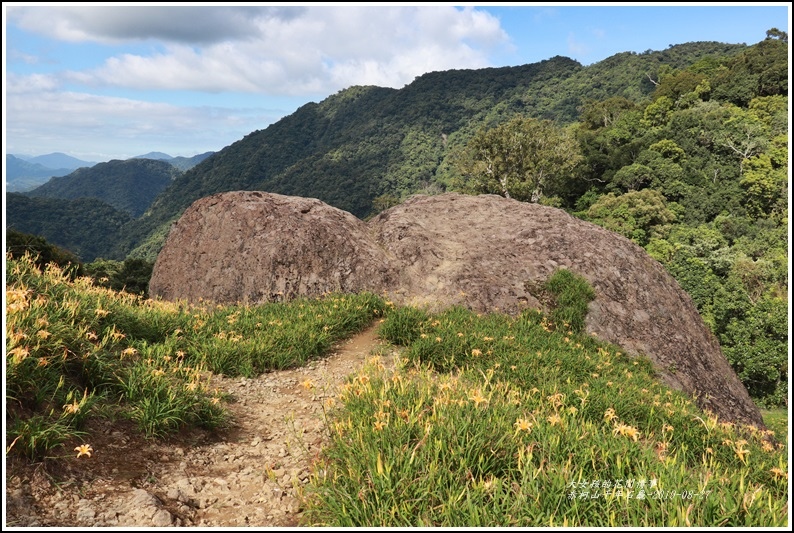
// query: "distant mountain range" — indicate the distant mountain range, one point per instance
point(21, 175)
point(182, 163)
point(57, 160)
point(25, 173)
point(154, 155)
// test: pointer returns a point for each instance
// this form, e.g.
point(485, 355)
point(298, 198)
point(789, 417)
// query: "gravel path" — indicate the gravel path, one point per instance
point(250, 475)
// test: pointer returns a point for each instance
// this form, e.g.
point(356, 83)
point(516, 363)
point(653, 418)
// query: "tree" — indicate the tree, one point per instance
point(772, 111)
point(745, 134)
point(762, 70)
point(756, 347)
point(132, 275)
point(764, 184)
point(524, 159)
point(632, 177)
point(384, 202)
point(633, 214)
point(658, 112)
point(775, 33)
point(597, 114)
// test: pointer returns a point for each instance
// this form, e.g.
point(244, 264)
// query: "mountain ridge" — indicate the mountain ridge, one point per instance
point(364, 142)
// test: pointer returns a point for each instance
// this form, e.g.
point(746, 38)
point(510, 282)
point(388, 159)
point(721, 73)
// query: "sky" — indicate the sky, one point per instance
point(101, 82)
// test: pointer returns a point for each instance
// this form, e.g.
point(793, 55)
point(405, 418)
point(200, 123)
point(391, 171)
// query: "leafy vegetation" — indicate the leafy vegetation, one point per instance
point(87, 227)
point(522, 159)
point(131, 275)
point(698, 177)
point(571, 294)
point(20, 244)
point(75, 351)
point(129, 185)
point(484, 420)
point(517, 421)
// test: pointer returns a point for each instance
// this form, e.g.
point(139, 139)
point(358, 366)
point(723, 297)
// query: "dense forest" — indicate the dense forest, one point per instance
point(129, 185)
point(85, 226)
point(684, 151)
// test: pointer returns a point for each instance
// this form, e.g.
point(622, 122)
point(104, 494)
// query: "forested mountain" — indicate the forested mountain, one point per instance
point(60, 160)
point(85, 226)
point(186, 163)
point(182, 163)
point(366, 142)
point(129, 185)
point(157, 156)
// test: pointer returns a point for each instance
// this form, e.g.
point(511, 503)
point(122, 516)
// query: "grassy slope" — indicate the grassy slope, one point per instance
point(489, 420)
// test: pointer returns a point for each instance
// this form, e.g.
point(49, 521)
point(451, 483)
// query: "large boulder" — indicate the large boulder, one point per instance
point(487, 253)
point(253, 247)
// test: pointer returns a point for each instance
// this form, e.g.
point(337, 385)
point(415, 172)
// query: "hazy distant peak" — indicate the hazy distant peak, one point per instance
point(153, 155)
point(57, 160)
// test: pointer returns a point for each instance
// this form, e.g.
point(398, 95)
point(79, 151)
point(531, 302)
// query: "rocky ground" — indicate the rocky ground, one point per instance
point(249, 475)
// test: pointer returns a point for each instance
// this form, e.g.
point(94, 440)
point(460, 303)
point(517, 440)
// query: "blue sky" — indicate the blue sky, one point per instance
point(111, 82)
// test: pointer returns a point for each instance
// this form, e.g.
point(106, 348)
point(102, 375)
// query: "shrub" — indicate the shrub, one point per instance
point(572, 294)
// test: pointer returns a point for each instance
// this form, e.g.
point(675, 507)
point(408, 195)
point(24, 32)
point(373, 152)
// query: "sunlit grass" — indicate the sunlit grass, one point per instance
point(75, 350)
point(499, 421)
point(486, 420)
point(777, 421)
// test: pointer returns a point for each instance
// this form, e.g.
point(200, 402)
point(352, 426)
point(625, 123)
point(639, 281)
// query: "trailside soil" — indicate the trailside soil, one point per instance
point(251, 474)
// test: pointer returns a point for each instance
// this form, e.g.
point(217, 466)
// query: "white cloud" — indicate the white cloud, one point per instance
point(100, 127)
point(275, 51)
point(17, 55)
point(117, 24)
point(31, 83)
point(293, 53)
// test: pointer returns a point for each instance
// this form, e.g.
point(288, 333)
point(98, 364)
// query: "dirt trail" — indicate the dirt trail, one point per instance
point(251, 474)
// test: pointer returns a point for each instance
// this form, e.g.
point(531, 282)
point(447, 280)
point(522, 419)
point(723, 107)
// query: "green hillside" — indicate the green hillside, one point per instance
point(86, 227)
point(366, 142)
point(186, 163)
point(129, 185)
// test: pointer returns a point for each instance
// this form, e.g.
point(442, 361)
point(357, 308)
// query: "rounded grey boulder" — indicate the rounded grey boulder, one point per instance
point(483, 252)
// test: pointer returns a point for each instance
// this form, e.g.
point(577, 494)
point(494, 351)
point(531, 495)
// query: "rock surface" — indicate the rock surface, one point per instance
point(257, 247)
point(484, 252)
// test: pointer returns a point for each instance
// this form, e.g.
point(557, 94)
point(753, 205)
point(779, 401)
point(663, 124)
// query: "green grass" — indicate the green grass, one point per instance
point(486, 420)
point(499, 421)
point(777, 421)
point(571, 294)
point(75, 351)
